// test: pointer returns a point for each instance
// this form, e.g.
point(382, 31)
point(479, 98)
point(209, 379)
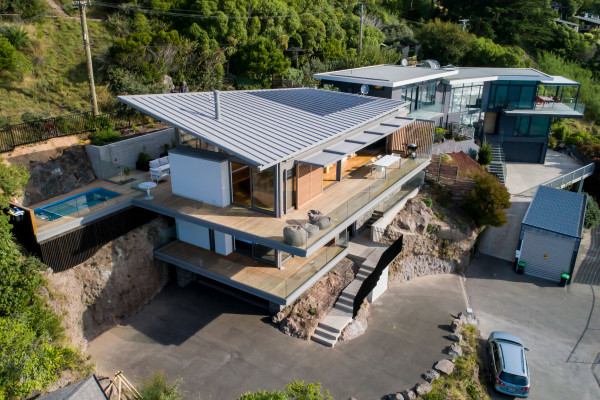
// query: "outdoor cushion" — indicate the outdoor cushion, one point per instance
point(294, 235)
point(323, 223)
point(154, 164)
point(163, 160)
point(314, 216)
point(310, 229)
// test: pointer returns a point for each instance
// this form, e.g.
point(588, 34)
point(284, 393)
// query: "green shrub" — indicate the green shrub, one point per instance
point(435, 395)
point(144, 158)
point(428, 202)
point(484, 156)
point(488, 200)
point(8, 54)
point(297, 390)
point(104, 136)
point(158, 388)
point(592, 213)
point(17, 36)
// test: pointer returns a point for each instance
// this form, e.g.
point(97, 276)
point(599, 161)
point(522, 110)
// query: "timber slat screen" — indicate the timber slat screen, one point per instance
point(417, 132)
point(310, 183)
point(72, 248)
point(12, 136)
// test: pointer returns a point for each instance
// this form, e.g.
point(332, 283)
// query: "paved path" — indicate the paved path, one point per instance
point(222, 347)
point(589, 270)
point(560, 326)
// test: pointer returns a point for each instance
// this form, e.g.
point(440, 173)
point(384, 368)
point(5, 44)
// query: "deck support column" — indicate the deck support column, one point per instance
point(184, 277)
point(580, 186)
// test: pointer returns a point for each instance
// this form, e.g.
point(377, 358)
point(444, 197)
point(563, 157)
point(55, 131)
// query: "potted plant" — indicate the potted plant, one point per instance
point(143, 162)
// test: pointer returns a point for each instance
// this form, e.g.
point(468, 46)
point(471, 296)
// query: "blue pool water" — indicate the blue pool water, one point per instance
point(73, 204)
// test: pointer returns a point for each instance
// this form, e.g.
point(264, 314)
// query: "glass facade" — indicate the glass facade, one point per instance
point(465, 98)
point(290, 189)
point(531, 126)
point(419, 96)
point(512, 95)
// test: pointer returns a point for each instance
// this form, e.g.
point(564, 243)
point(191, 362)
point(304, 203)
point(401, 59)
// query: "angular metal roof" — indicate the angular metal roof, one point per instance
point(385, 75)
point(265, 127)
point(353, 143)
point(557, 211)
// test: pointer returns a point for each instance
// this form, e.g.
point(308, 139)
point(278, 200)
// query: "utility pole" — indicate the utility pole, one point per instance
point(464, 22)
point(88, 53)
point(362, 5)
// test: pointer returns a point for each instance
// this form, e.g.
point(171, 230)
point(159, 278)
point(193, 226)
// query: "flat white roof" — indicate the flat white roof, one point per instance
point(479, 74)
point(386, 75)
point(266, 127)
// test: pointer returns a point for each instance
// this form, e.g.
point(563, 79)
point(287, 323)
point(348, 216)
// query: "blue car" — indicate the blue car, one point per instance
point(509, 372)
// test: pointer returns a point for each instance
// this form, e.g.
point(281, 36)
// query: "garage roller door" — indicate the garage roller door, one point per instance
point(546, 256)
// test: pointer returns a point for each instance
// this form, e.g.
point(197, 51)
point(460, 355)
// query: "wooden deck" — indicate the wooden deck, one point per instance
point(253, 273)
point(338, 202)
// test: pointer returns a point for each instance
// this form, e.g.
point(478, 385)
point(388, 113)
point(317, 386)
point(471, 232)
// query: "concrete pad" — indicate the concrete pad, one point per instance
point(501, 242)
point(552, 321)
point(222, 347)
point(523, 178)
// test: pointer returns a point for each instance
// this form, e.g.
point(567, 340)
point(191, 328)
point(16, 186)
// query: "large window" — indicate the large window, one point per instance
point(419, 96)
point(531, 126)
point(512, 94)
point(252, 188)
point(290, 189)
point(465, 98)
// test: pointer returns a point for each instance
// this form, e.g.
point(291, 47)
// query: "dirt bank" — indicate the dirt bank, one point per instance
point(436, 240)
point(113, 284)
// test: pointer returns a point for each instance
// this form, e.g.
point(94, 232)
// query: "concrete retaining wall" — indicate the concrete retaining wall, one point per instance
point(378, 228)
point(110, 160)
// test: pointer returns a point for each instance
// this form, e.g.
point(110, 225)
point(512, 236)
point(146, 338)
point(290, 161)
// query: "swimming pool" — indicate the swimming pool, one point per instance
point(74, 204)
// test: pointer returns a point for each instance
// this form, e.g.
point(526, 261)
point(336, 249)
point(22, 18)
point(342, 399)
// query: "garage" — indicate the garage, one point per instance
point(551, 233)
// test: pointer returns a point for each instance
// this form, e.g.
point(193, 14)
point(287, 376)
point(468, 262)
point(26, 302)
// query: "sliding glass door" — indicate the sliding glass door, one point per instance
point(252, 188)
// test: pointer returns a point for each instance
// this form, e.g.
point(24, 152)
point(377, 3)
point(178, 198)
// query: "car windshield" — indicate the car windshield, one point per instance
point(513, 379)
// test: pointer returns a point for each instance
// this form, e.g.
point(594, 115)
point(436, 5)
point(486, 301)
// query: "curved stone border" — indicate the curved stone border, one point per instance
point(443, 367)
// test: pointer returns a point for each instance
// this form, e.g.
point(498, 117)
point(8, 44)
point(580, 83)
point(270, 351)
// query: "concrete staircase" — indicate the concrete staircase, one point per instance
point(374, 217)
point(329, 329)
point(498, 165)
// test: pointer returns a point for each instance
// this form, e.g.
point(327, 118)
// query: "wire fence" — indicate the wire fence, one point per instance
point(12, 136)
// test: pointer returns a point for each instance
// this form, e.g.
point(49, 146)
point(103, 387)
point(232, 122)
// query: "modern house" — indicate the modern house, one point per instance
point(570, 24)
point(589, 22)
point(266, 186)
point(510, 107)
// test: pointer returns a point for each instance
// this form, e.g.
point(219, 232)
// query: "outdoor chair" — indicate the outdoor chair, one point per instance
point(160, 169)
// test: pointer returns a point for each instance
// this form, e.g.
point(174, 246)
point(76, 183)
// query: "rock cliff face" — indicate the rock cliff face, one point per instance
point(113, 284)
point(60, 175)
point(434, 243)
point(301, 318)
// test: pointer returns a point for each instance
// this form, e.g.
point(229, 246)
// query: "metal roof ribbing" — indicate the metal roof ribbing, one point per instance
point(557, 211)
point(265, 127)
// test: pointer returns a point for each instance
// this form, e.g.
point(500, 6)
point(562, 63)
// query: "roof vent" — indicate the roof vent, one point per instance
point(217, 106)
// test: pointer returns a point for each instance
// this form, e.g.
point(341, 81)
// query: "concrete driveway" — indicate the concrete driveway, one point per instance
point(560, 326)
point(522, 180)
point(223, 347)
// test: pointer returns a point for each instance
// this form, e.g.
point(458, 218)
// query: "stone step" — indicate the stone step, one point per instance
point(367, 268)
point(363, 274)
point(346, 295)
point(345, 301)
point(326, 334)
point(323, 340)
point(343, 307)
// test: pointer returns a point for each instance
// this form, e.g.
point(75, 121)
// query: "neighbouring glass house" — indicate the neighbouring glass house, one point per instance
point(509, 107)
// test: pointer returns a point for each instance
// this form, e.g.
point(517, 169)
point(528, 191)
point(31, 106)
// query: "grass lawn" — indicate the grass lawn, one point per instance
point(54, 80)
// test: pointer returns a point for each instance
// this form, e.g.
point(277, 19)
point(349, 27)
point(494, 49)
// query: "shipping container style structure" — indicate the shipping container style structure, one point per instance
point(551, 233)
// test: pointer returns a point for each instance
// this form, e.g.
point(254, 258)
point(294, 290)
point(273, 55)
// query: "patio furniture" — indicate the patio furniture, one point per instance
point(317, 218)
point(311, 229)
point(385, 162)
point(147, 186)
point(314, 216)
point(160, 169)
point(295, 235)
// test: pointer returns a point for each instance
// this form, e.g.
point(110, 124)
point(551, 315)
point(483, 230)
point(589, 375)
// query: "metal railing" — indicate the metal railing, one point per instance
point(571, 177)
point(12, 136)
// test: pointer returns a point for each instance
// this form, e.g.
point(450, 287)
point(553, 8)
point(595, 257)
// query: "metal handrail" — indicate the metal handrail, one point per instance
point(571, 177)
